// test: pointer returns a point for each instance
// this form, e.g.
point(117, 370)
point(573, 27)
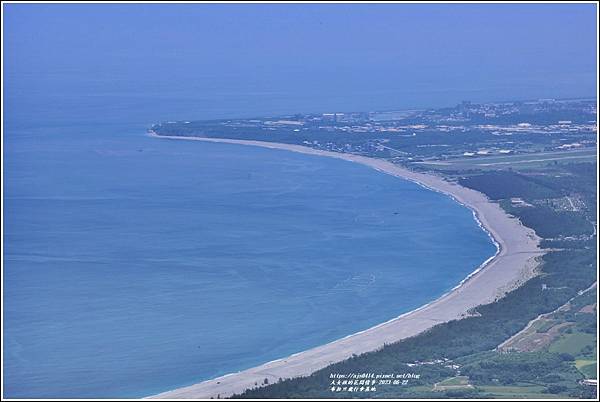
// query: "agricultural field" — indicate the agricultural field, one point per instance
point(535, 337)
point(589, 368)
point(573, 343)
point(457, 382)
point(582, 346)
point(520, 391)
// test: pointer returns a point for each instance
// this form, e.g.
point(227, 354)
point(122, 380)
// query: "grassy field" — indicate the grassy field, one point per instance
point(589, 370)
point(454, 381)
point(525, 391)
point(573, 343)
point(539, 335)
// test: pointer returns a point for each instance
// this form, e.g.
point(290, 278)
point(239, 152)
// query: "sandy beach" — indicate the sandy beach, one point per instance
point(514, 263)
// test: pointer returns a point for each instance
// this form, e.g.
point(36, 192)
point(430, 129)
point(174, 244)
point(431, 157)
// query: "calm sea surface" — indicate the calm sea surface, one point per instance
point(135, 265)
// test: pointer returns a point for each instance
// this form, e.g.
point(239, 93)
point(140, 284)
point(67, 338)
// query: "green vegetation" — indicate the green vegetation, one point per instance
point(537, 368)
point(453, 383)
point(458, 380)
point(538, 188)
point(579, 342)
point(550, 223)
point(514, 390)
point(505, 184)
point(573, 343)
point(589, 370)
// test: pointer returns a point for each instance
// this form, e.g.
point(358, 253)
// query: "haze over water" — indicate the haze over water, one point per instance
point(135, 265)
point(251, 60)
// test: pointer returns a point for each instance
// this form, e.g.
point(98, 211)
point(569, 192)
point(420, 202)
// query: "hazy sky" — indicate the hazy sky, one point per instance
point(380, 55)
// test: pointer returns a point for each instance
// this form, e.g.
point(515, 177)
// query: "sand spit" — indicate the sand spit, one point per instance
point(515, 260)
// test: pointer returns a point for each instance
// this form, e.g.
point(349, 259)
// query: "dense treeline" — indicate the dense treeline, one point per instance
point(499, 185)
point(549, 223)
point(538, 368)
point(561, 180)
point(573, 244)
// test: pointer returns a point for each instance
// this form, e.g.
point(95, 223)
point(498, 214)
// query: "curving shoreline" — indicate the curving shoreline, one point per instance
point(513, 263)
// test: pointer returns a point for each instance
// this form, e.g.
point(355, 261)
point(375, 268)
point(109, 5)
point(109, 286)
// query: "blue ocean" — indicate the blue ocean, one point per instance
point(135, 265)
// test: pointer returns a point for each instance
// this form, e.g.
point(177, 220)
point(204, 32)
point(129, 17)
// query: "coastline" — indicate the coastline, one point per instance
point(512, 264)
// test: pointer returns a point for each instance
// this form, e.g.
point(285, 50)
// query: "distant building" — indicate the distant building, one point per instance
point(464, 106)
